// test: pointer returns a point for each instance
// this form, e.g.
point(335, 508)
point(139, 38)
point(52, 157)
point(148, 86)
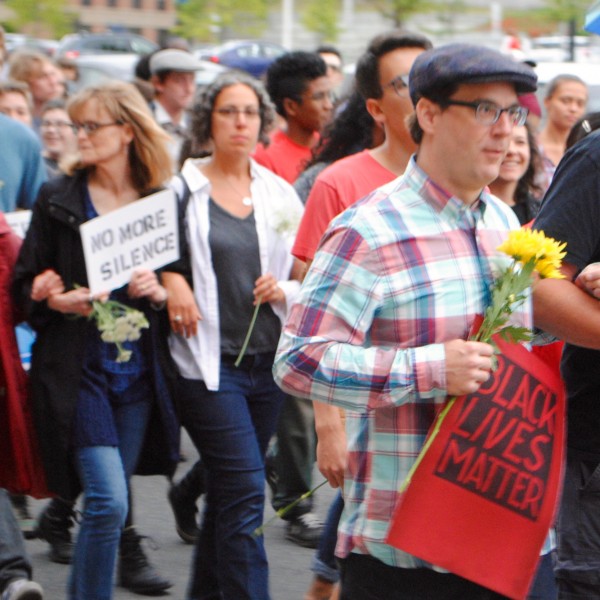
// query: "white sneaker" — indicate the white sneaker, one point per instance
point(23, 589)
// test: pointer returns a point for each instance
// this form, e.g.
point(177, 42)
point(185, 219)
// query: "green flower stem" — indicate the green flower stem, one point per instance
point(507, 295)
point(238, 360)
point(286, 509)
point(436, 428)
point(513, 283)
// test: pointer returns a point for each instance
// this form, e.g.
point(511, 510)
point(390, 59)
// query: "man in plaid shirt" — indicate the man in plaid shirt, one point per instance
point(380, 324)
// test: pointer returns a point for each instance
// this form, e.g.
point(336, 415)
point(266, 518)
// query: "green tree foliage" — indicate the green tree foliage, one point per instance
point(322, 18)
point(42, 18)
point(209, 20)
point(398, 11)
point(562, 11)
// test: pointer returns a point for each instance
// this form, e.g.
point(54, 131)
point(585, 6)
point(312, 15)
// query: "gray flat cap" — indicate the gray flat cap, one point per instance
point(174, 60)
point(466, 63)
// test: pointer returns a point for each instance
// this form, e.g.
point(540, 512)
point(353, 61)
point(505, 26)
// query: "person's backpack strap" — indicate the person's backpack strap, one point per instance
point(182, 191)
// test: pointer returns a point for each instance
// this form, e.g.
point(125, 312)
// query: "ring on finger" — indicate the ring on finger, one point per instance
point(177, 318)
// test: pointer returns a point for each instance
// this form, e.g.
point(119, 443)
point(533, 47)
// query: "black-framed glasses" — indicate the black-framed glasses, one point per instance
point(91, 127)
point(46, 124)
point(336, 68)
point(233, 112)
point(399, 84)
point(488, 113)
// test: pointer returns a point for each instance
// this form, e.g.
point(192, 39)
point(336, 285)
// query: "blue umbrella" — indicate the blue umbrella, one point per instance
point(592, 19)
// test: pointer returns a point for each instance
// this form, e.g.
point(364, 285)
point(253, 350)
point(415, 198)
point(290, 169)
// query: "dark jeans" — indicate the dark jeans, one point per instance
point(324, 564)
point(294, 455)
point(578, 553)
point(14, 562)
point(231, 429)
point(544, 584)
point(366, 578)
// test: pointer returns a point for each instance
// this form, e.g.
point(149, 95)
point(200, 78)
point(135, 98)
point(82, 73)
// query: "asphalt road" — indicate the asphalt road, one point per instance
point(289, 563)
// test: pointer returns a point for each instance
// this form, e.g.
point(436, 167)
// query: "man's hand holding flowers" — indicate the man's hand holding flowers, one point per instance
point(468, 365)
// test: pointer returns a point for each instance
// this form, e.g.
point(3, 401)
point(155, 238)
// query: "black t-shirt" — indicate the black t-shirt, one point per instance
point(571, 213)
point(236, 262)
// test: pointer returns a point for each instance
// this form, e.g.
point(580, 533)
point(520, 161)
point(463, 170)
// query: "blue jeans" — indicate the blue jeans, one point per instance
point(324, 564)
point(14, 563)
point(231, 429)
point(104, 472)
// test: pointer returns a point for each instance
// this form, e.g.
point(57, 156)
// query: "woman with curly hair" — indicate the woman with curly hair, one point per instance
point(238, 222)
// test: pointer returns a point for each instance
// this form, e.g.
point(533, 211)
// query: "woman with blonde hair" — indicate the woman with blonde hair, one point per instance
point(93, 413)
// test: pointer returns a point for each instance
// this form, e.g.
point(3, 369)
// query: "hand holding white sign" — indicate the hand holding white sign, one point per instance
point(141, 235)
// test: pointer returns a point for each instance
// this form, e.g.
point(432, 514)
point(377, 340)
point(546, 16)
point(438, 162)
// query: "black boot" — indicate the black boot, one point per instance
point(135, 572)
point(54, 526)
point(183, 497)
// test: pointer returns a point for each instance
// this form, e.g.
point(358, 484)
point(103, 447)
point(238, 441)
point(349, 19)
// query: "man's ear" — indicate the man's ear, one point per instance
point(374, 109)
point(427, 113)
point(290, 106)
point(156, 83)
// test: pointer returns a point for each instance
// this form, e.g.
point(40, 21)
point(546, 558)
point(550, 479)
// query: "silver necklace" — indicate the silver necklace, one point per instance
point(246, 200)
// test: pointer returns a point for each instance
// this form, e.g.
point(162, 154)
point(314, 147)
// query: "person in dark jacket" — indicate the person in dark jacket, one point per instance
point(97, 419)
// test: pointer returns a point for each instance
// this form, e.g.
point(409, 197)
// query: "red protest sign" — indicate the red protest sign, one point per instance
point(484, 495)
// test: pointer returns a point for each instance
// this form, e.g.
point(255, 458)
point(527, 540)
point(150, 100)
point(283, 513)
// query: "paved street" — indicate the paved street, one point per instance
point(289, 564)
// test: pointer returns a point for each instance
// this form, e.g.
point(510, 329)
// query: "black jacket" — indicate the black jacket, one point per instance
point(53, 241)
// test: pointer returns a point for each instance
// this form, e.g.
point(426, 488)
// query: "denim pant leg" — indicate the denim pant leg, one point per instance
point(101, 472)
point(14, 562)
point(131, 421)
point(231, 429)
point(324, 563)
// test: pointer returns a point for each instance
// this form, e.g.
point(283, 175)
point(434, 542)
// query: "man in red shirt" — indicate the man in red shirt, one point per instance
point(381, 76)
point(298, 85)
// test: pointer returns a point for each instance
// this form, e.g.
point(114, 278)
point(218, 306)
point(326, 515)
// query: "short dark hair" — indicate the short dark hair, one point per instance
point(142, 67)
point(441, 97)
point(55, 104)
point(290, 75)
point(367, 68)
point(328, 49)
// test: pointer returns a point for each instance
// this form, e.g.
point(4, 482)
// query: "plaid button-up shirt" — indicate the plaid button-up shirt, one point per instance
point(396, 275)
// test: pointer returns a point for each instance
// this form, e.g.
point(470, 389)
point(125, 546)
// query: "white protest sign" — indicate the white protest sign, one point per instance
point(19, 221)
point(143, 234)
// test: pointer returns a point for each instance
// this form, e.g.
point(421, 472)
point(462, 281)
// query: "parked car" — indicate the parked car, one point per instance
point(97, 69)
point(555, 48)
point(18, 41)
point(77, 44)
point(251, 56)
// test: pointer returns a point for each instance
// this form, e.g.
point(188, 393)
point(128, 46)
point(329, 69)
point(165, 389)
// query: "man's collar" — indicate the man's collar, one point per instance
point(440, 199)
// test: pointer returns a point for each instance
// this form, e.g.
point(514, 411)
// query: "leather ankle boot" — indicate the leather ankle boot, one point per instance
point(135, 572)
point(182, 498)
point(54, 526)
